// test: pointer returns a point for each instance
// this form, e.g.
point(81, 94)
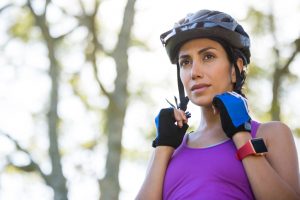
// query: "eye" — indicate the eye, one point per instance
point(185, 62)
point(208, 57)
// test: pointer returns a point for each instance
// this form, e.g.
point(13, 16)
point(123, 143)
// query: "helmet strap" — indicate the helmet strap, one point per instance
point(239, 80)
point(183, 99)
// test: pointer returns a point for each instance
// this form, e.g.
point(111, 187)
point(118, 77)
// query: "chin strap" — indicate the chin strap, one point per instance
point(240, 79)
point(183, 99)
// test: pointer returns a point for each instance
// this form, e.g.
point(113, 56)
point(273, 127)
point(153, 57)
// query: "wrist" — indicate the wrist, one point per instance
point(252, 147)
point(164, 150)
point(241, 138)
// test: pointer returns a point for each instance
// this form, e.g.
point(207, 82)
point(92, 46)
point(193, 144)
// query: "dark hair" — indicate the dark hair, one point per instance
point(233, 54)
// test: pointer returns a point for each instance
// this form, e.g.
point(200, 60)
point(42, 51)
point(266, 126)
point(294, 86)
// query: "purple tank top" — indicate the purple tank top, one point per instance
point(212, 173)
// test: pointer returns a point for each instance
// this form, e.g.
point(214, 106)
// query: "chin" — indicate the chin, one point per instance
point(203, 101)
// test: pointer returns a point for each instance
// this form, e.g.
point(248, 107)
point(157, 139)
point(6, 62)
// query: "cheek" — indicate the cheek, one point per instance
point(184, 76)
point(222, 76)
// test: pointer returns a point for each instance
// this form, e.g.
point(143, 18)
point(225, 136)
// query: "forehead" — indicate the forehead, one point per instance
point(199, 43)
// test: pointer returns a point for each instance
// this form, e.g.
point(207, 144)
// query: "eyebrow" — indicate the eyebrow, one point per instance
point(199, 52)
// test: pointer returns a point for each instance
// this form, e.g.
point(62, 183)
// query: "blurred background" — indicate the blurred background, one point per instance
point(82, 80)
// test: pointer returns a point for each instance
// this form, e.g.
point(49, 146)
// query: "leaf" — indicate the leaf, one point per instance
point(255, 71)
point(296, 132)
point(89, 144)
point(11, 168)
point(23, 25)
point(258, 20)
point(139, 43)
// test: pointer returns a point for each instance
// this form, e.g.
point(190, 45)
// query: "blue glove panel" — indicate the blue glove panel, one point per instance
point(236, 107)
point(157, 124)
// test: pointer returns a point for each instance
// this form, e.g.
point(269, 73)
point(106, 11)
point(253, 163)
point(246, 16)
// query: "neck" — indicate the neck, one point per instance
point(210, 124)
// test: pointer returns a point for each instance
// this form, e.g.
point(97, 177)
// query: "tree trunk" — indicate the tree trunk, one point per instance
point(109, 185)
point(275, 106)
point(56, 179)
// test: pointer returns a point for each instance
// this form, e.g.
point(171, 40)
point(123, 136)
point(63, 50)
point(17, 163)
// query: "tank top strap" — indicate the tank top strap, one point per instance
point(254, 126)
point(185, 138)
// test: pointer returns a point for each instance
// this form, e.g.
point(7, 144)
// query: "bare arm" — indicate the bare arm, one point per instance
point(275, 176)
point(153, 183)
point(152, 187)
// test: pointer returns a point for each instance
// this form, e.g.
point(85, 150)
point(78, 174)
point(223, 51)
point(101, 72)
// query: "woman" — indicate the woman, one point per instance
point(229, 156)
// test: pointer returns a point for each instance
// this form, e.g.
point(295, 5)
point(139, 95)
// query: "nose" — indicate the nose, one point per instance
point(197, 70)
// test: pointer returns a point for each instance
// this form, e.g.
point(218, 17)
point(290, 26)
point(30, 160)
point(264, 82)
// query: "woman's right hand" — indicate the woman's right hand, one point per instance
point(167, 132)
point(180, 117)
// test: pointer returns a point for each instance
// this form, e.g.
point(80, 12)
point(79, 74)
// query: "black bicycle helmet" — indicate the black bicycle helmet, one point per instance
point(207, 24)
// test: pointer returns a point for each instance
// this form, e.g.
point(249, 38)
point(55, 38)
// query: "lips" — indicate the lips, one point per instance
point(199, 87)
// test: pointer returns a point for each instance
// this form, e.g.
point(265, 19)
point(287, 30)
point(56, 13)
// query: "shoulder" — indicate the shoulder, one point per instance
point(281, 150)
point(279, 139)
point(274, 129)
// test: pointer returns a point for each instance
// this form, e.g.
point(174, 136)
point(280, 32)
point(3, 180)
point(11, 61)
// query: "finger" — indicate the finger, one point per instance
point(180, 124)
point(185, 119)
point(179, 117)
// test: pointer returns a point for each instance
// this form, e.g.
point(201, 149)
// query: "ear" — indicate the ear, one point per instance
point(240, 65)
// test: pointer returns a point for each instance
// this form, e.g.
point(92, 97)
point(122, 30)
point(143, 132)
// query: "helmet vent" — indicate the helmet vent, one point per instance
point(226, 19)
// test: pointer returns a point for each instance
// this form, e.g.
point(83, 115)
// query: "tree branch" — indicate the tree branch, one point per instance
point(40, 20)
point(92, 26)
point(74, 84)
point(95, 69)
point(61, 37)
point(5, 7)
point(46, 5)
point(273, 34)
point(82, 7)
point(285, 68)
point(32, 165)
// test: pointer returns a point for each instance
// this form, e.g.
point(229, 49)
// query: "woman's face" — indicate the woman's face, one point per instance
point(205, 70)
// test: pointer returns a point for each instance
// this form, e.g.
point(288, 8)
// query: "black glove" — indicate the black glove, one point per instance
point(233, 113)
point(167, 132)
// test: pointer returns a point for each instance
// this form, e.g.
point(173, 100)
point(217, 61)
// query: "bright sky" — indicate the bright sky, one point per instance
point(151, 71)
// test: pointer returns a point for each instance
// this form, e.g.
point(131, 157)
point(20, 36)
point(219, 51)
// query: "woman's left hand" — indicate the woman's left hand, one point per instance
point(234, 112)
